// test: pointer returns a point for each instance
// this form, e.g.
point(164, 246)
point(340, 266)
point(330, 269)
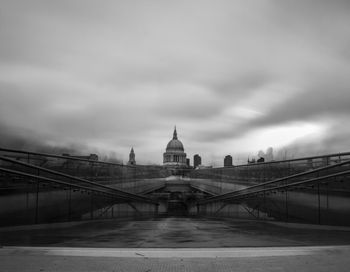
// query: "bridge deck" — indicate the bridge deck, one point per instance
point(172, 244)
point(174, 232)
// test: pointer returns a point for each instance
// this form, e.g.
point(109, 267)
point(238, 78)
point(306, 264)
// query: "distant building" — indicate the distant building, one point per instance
point(188, 162)
point(261, 160)
point(197, 160)
point(91, 157)
point(132, 160)
point(228, 161)
point(175, 153)
point(251, 161)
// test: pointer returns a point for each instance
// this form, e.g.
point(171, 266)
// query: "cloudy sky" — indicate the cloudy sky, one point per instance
point(235, 77)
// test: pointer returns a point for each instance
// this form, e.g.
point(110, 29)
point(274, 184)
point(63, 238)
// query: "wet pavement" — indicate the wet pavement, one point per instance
point(174, 232)
point(174, 244)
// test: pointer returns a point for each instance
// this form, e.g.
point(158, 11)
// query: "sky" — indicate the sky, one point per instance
point(235, 77)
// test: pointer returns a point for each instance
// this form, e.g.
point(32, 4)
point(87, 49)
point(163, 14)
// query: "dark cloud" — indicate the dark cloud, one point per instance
point(117, 74)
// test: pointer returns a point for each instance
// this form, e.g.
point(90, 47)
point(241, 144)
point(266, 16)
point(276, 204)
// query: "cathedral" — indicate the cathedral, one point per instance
point(174, 154)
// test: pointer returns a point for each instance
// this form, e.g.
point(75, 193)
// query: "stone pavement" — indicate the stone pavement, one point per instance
point(175, 244)
point(326, 258)
point(174, 232)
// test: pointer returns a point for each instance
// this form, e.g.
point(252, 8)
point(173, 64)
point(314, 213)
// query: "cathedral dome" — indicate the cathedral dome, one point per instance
point(174, 155)
point(175, 145)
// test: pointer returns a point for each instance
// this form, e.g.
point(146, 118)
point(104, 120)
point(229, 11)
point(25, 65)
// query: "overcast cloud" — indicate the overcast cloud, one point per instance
point(234, 76)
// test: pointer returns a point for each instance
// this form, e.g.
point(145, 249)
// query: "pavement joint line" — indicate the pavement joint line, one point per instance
point(232, 252)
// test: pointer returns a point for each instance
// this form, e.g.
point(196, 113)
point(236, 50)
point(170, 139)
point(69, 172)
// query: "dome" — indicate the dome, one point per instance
point(174, 155)
point(175, 145)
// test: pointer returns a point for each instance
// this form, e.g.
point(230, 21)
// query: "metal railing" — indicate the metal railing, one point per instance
point(69, 180)
point(324, 174)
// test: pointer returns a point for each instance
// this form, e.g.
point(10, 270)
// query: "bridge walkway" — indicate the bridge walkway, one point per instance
point(175, 244)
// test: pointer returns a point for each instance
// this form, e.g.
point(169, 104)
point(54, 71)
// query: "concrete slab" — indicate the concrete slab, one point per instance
point(330, 258)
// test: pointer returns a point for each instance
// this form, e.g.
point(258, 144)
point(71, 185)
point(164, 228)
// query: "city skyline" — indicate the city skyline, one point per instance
point(235, 77)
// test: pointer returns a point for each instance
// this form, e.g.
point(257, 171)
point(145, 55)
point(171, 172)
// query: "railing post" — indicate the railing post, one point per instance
point(28, 189)
point(157, 209)
point(92, 205)
point(90, 172)
point(327, 202)
point(287, 219)
point(319, 202)
point(37, 201)
point(264, 205)
point(69, 203)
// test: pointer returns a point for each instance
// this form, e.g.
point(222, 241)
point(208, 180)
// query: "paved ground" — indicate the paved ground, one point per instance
point(146, 260)
point(174, 232)
point(175, 244)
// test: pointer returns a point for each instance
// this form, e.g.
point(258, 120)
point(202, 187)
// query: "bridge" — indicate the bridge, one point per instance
point(39, 189)
point(43, 188)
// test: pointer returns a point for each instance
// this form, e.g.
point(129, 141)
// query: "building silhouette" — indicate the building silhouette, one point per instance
point(197, 160)
point(228, 161)
point(261, 160)
point(91, 157)
point(175, 153)
point(132, 160)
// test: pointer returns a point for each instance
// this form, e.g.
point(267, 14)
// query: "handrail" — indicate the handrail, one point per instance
point(151, 189)
point(73, 185)
point(203, 190)
point(235, 193)
point(292, 176)
point(279, 187)
point(127, 194)
point(135, 197)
